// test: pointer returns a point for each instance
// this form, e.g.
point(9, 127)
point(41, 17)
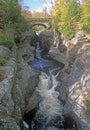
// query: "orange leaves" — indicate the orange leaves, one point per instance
point(1, 20)
point(1, 31)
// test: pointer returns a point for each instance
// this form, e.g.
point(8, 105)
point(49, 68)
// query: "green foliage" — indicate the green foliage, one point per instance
point(85, 23)
point(19, 27)
point(11, 11)
point(2, 60)
point(7, 40)
point(56, 21)
point(63, 20)
point(87, 103)
point(68, 31)
point(73, 11)
point(13, 22)
point(85, 16)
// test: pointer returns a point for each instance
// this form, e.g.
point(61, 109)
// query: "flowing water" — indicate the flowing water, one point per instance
point(49, 115)
point(40, 64)
point(50, 107)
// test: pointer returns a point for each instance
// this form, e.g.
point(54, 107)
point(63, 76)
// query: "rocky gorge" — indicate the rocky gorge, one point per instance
point(75, 78)
point(18, 81)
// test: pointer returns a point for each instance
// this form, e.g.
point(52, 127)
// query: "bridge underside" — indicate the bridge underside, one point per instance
point(39, 24)
point(44, 22)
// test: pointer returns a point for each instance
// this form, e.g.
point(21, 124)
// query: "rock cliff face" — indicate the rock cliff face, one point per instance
point(78, 80)
point(75, 76)
point(17, 84)
point(6, 84)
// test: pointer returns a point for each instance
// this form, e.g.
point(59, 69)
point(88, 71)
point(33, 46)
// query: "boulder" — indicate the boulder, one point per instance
point(27, 46)
point(55, 54)
point(80, 34)
point(4, 51)
point(29, 37)
point(35, 99)
point(8, 124)
point(46, 40)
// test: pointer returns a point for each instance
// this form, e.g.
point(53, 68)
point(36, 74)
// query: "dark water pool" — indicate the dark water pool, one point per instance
point(42, 64)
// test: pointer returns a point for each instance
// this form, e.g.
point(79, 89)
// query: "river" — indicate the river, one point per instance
point(49, 115)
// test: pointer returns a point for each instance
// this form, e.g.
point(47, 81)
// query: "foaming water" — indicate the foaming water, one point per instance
point(49, 114)
point(50, 107)
point(41, 64)
point(38, 51)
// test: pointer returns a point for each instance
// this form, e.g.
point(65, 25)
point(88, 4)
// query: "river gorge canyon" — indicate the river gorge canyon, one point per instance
point(45, 83)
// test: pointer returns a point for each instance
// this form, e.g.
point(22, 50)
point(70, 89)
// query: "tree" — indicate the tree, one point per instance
point(73, 11)
point(26, 13)
point(49, 5)
point(85, 16)
point(60, 12)
point(13, 22)
point(64, 12)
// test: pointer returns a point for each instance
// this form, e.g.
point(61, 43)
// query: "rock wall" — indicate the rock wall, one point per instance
point(6, 84)
point(75, 76)
point(46, 40)
point(17, 84)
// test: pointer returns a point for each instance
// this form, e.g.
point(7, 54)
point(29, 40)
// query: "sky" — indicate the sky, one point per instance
point(37, 5)
point(34, 5)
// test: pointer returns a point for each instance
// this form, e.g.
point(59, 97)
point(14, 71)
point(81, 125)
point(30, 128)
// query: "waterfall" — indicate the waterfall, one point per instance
point(37, 33)
point(50, 107)
point(38, 51)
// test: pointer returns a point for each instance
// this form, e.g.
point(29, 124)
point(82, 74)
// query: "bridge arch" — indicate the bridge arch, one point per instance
point(44, 22)
point(39, 24)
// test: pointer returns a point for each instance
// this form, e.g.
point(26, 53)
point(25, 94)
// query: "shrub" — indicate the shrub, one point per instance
point(7, 41)
point(68, 31)
point(85, 16)
point(86, 28)
point(13, 22)
point(19, 26)
point(73, 11)
point(85, 24)
point(87, 103)
point(2, 60)
point(56, 21)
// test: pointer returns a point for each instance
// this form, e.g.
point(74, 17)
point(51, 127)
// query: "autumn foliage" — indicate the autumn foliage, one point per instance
point(67, 14)
point(1, 20)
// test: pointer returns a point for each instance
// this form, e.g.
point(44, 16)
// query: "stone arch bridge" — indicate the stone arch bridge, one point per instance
point(40, 22)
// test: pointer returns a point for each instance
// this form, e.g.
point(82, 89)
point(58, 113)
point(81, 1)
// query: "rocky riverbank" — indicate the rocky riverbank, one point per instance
point(75, 90)
point(18, 81)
